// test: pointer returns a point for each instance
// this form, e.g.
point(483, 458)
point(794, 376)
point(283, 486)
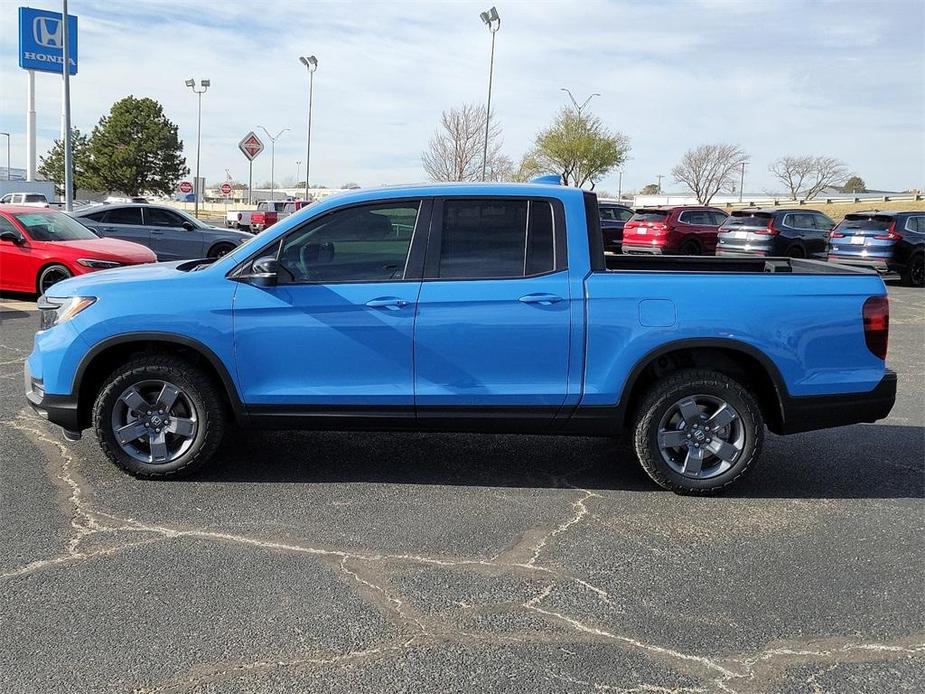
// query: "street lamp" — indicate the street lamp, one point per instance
point(491, 19)
point(298, 167)
point(311, 64)
point(578, 108)
point(9, 175)
point(273, 158)
point(660, 177)
point(200, 90)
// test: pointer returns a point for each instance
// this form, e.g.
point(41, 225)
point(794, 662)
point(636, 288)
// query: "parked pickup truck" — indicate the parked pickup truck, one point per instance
point(268, 212)
point(463, 307)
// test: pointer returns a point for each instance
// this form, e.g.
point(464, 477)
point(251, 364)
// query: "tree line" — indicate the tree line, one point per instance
point(134, 149)
point(581, 149)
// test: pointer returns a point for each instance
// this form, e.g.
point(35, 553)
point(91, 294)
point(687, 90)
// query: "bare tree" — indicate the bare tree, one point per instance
point(455, 150)
point(708, 169)
point(807, 176)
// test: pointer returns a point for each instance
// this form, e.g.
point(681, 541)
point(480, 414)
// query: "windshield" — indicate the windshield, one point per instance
point(53, 226)
point(881, 223)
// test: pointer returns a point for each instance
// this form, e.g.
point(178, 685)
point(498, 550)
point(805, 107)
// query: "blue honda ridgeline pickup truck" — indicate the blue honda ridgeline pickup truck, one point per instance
point(463, 307)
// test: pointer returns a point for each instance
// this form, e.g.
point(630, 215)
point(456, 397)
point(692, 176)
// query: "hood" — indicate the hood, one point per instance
point(92, 281)
point(113, 249)
point(230, 233)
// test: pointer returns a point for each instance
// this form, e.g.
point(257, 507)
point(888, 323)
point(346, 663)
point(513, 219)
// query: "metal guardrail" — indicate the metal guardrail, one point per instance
point(783, 202)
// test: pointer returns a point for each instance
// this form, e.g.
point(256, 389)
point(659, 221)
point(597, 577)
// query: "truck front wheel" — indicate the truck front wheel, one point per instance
point(159, 416)
point(697, 431)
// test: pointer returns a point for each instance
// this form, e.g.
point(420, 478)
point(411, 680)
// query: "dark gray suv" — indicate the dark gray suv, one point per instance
point(171, 234)
point(793, 233)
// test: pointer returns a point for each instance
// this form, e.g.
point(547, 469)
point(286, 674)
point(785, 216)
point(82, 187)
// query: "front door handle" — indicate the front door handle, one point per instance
point(541, 299)
point(391, 303)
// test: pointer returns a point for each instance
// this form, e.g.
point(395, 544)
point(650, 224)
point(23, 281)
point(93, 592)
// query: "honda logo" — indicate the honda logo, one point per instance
point(47, 32)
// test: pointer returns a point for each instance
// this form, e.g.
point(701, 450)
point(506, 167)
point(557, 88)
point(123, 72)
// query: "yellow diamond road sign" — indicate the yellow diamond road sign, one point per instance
point(251, 146)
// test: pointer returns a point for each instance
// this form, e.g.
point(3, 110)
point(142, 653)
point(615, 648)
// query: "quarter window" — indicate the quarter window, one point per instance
point(496, 239)
point(915, 224)
point(357, 244)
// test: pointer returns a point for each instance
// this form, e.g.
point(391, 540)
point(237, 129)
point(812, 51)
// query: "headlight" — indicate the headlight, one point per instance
point(54, 310)
point(97, 264)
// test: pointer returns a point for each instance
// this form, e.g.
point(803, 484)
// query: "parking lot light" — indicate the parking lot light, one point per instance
point(203, 86)
point(492, 20)
point(311, 64)
point(273, 140)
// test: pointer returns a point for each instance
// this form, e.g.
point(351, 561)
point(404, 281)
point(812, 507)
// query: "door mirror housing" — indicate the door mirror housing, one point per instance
point(189, 226)
point(263, 272)
point(12, 237)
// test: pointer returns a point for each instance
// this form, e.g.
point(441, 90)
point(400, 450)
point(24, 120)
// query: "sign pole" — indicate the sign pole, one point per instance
point(68, 164)
point(30, 127)
point(250, 183)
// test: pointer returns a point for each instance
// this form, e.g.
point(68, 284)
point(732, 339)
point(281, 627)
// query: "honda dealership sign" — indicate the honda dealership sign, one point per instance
point(41, 40)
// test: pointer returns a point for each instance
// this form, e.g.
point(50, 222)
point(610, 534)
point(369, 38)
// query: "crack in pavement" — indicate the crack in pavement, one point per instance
point(724, 673)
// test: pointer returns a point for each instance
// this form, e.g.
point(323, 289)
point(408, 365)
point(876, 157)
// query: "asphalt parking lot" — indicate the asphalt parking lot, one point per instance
point(459, 563)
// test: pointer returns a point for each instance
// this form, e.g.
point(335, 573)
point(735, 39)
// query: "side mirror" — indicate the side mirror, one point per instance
point(264, 273)
point(11, 236)
point(189, 226)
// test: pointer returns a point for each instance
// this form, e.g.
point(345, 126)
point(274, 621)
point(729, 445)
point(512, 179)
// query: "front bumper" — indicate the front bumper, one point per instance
point(57, 409)
point(809, 413)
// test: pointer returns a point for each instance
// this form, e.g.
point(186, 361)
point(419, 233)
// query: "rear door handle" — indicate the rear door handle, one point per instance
point(541, 299)
point(391, 303)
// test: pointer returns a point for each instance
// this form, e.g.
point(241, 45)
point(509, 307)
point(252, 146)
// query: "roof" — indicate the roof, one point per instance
point(875, 213)
point(667, 208)
point(25, 209)
point(772, 210)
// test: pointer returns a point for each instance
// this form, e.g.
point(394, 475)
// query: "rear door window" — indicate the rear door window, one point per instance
point(482, 239)
point(157, 217)
point(124, 215)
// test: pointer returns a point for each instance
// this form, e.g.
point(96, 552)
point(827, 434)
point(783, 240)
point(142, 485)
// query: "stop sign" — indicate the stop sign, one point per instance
point(186, 187)
point(226, 189)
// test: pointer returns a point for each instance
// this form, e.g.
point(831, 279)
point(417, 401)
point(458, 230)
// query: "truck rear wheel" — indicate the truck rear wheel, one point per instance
point(159, 416)
point(698, 431)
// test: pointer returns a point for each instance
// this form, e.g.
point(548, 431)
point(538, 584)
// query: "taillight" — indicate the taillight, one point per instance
point(658, 228)
point(769, 230)
point(876, 314)
point(836, 235)
point(890, 234)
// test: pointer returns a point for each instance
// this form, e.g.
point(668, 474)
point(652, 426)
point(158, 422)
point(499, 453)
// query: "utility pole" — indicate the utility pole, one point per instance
point(620, 186)
point(311, 64)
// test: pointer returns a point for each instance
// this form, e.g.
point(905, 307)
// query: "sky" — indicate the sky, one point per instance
point(836, 78)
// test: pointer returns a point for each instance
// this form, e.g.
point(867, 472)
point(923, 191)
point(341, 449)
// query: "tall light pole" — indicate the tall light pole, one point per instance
point(9, 175)
point(660, 177)
point(200, 90)
point(620, 186)
point(492, 20)
point(66, 98)
point(273, 158)
point(311, 64)
point(578, 108)
point(298, 167)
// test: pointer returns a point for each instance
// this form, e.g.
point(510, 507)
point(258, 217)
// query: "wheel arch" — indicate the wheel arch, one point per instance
point(218, 243)
point(47, 263)
point(106, 355)
point(736, 359)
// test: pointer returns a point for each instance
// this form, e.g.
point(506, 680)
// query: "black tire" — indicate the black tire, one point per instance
point(220, 249)
point(796, 252)
point(690, 248)
point(914, 276)
point(50, 276)
point(658, 402)
point(202, 392)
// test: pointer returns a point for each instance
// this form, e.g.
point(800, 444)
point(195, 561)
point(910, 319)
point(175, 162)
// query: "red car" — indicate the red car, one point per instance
point(678, 230)
point(39, 247)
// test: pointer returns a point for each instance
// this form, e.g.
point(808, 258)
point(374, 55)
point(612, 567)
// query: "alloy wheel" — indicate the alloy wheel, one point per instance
point(154, 421)
point(701, 436)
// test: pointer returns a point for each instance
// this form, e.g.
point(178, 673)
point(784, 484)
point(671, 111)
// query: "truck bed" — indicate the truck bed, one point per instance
point(711, 264)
